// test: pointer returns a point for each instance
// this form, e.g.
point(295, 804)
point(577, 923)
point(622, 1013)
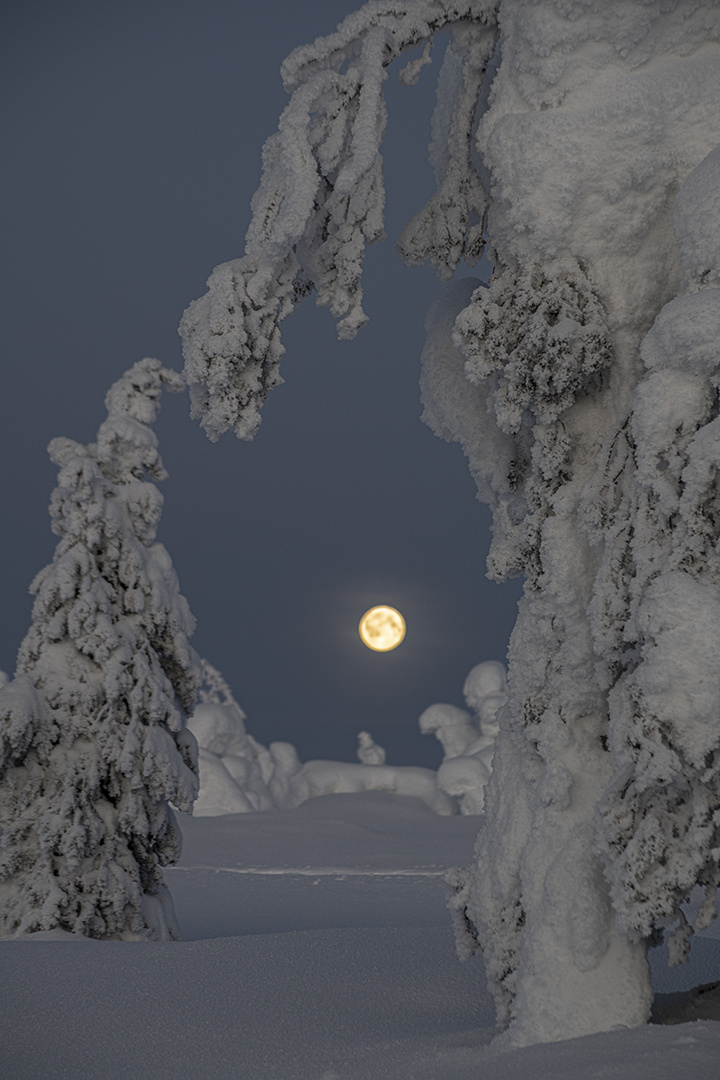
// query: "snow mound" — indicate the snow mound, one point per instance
point(335, 777)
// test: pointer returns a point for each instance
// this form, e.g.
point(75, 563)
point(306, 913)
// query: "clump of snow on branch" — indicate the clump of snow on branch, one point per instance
point(535, 340)
point(529, 345)
point(93, 742)
point(468, 740)
point(321, 200)
point(538, 335)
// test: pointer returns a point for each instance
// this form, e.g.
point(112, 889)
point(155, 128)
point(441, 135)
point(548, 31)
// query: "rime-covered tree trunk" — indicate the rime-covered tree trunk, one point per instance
point(586, 141)
point(535, 898)
point(563, 131)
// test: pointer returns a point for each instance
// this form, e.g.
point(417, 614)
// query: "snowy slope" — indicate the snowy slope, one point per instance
point(316, 947)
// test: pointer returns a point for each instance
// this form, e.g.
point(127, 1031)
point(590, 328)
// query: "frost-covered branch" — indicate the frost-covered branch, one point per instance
point(450, 227)
point(321, 199)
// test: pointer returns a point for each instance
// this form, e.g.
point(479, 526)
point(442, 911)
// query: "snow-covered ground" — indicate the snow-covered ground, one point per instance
point(316, 946)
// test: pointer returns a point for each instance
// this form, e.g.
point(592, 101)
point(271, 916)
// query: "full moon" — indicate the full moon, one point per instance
point(382, 628)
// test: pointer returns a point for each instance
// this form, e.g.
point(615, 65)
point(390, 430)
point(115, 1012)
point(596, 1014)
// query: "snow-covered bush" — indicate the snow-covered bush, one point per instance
point(238, 775)
point(468, 741)
point(368, 751)
point(234, 768)
point(93, 742)
point(566, 128)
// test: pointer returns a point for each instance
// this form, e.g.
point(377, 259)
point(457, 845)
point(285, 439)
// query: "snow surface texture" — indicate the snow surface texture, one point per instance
point(239, 775)
point(568, 128)
point(93, 742)
point(316, 946)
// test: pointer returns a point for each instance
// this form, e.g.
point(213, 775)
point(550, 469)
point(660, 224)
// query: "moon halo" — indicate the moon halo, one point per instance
point(382, 628)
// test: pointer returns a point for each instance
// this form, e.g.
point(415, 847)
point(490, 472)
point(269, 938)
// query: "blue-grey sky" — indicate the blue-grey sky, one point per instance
point(132, 132)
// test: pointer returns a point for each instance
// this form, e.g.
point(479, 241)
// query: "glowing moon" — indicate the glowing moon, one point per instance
point(382, 628)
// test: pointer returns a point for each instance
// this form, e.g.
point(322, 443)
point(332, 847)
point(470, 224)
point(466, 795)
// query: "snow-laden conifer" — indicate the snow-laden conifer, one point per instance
point(567, 129)
point(93, 742)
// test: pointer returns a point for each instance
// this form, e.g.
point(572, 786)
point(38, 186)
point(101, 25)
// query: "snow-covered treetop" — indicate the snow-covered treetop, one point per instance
point(321, 198)
point(109, 584)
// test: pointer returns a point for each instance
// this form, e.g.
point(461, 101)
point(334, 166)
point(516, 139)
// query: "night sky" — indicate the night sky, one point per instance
point(132, 132)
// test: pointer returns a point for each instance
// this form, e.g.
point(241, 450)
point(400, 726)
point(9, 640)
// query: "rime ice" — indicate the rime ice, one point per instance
point(93, 741)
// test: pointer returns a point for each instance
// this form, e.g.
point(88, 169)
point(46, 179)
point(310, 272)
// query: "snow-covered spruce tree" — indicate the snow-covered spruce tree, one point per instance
point(93, 742)
point(566, 129)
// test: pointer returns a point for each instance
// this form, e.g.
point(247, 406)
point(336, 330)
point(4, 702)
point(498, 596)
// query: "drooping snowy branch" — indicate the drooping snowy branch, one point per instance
point(450, 227)
point(93, 740)
point(321, 201)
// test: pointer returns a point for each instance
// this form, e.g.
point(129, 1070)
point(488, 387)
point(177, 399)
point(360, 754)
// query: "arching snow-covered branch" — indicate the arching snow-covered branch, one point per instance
point(321, 199)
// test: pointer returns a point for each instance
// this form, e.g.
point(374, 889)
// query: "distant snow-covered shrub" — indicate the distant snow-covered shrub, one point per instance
point(234, 767)
point(368, 751)
point(468, 741)
point(339, 777)
point(238, 775)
